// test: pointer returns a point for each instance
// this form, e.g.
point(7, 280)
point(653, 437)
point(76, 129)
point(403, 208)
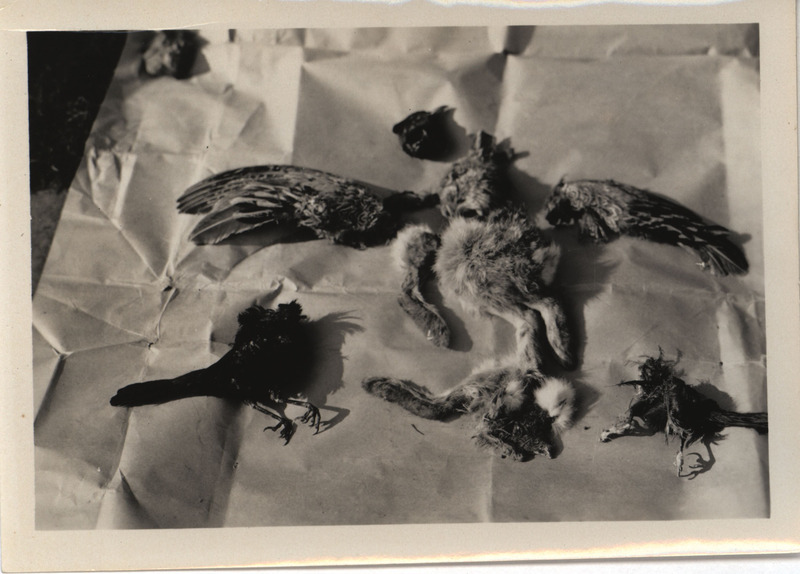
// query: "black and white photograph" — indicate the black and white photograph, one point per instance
point(509, 274)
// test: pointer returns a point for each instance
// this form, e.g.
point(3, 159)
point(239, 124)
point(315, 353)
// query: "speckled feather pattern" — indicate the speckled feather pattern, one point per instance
point(605, 209)
point(333, 207)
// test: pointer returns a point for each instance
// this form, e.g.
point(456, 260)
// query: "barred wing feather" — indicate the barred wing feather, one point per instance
point(243, 199)
point(606, 208)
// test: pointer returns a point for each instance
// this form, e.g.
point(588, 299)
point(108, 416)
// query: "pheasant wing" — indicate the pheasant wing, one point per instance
point(604, 209)
point(243, 199)
point(662, 220)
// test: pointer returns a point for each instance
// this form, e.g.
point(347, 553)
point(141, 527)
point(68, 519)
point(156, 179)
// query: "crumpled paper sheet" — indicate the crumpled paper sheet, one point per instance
point(126, 297)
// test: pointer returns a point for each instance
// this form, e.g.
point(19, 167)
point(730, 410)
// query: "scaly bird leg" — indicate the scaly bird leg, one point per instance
point(679, 456)
point(283, 423)
point(623, 427)
point(311, 417)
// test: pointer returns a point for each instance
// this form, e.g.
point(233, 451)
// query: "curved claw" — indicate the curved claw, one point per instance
point(701, 465)
point(312, 417)
point(288, 429)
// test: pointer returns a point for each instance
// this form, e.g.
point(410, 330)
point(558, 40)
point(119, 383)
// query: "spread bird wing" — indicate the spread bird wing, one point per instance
point(243, 199)
point(603, 209)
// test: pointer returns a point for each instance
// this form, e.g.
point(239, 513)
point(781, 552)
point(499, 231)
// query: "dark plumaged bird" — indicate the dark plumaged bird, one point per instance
point(664, 402)
point(332, 207)
point(604, 209)
point(424, 134)
point(265, 368)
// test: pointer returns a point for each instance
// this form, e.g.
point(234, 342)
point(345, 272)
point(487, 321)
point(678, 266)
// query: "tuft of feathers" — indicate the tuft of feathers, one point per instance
point(604, 209)
point(664, 402)
point(519, 411)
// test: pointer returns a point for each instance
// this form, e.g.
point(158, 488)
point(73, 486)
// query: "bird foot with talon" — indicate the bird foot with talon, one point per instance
point(287, 431)
point(312, 417)
point(701, 465)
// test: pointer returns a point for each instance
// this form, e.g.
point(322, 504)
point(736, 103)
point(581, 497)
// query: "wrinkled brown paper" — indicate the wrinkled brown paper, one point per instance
point(126, 297)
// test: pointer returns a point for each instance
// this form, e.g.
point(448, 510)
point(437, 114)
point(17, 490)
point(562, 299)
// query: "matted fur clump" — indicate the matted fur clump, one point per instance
point(504, 266)
point(476, 184)
point(489, 256)
point(520, 411)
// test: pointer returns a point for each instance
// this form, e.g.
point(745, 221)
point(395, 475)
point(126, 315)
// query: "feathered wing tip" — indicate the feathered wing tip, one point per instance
point(557, 397)
point(221, 224)
point(246, 198)
point(238, 206)
point(721, 258)
point(204, 195)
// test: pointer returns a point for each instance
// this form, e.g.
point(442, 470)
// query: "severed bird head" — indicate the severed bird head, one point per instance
point(564, 205)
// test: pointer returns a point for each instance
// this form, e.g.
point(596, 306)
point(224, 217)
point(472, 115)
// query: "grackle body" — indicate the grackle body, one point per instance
point(665, 402)
point(264, 369)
